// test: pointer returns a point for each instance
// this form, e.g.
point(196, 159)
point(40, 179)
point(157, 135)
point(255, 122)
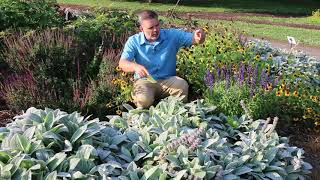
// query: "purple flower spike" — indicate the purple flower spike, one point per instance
point(209, 79)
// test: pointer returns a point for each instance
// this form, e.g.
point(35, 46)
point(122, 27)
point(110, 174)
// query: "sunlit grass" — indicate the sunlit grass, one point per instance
point(292, 20)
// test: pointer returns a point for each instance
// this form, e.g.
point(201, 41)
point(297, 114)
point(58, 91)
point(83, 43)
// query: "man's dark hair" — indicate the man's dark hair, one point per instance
point(146, 14)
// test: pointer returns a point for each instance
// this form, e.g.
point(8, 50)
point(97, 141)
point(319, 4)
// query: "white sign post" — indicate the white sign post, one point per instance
point(291, 41)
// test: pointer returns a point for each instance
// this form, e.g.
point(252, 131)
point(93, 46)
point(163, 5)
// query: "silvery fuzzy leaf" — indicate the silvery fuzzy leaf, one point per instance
point(51, 135)
point(233, 164)
point(125, 151)
point(242, 170)
point(85, 151)
point(227, 171)
point(281, 171)
point(116, 140)
point(64, 175)
point(132, 136)
point(35, 167)
point(44, 154)
point(150, 172)
point(78, 175)
point(56, 160)
point(244, 158)
point(200, 174)
point(173, 160)
point(139, 156)
point(230, 177)
point(212, 140)
point(273, 176)
point(29, 132)
point(284, 154)
point(180, 174)
point(125, 157)
point(49, 120)
point(59, 129)
point(19, 142)
point(294, 176)
point(36, 119)
point(271, 154)
point(67, 146)
point(78, 133)
point(52, 176)
point(133, 175)
point(296, 163)
point(306, 166)
point(162, 138)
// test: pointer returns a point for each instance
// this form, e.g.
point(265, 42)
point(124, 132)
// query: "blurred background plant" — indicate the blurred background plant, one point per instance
point(70, 68)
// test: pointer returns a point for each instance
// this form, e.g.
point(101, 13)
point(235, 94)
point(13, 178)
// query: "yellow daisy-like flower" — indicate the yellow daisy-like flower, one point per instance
point(279, 93)
point(295, 93)
point(118, 111)
point(269, 86)
point(314, 98)
point(114, 81)
point(118, 69)
point(123, 74)
point(206, 29)
point(109, 104)
point(270, 57)
point(309, 110)
point(257, 57)
point(287, 93)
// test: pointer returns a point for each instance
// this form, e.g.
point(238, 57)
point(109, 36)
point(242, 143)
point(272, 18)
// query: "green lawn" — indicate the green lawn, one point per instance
point(305, 36)
point(272, 6)
point(299, 20)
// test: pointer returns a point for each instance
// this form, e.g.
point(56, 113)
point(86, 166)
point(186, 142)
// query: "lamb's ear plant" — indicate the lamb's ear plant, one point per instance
point(171, 140)
point(192, 141)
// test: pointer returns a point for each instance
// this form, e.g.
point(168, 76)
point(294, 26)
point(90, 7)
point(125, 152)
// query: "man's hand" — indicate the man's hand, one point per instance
point(141, 71)
point(128, 66)
point(199, 36)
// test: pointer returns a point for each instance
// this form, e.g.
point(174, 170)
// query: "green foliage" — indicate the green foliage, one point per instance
point(66, 69)
point(316, 14)
point(28, 14)
point(220, 46)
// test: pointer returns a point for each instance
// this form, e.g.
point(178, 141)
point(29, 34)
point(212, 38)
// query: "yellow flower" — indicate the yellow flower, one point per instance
point(314, 98)
point(279, 93)
point(109, 104)
point(123, 74)
point(118, 69)
point(114, 81)
point(309, 110)
point(287, 93)
point(270, 57)
point(295, 93)
point(269, 87)
point(118, 111)
point(257, 57)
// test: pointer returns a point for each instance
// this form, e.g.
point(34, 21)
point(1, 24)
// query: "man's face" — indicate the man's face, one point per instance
point(150, 29)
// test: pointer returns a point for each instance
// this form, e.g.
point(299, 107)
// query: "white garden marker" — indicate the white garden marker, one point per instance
point(292, 41)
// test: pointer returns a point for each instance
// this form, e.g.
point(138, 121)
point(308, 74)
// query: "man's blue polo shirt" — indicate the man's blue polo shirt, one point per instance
point(159, 57)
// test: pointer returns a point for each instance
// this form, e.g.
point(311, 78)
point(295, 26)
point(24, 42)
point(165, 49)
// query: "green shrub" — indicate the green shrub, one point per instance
point(72, 68)
point(17, 14)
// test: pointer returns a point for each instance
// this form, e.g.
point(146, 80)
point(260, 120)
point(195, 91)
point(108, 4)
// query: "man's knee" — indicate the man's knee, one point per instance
point(184, 86)
point(143, 100)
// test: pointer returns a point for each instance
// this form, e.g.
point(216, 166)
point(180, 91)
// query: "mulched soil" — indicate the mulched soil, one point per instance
point(299, 136)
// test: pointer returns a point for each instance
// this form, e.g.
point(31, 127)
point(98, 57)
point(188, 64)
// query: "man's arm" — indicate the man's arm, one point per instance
point(128, 66)
point(198, 36)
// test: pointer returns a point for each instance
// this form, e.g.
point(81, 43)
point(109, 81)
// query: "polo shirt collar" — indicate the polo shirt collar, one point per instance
point(143, 39)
